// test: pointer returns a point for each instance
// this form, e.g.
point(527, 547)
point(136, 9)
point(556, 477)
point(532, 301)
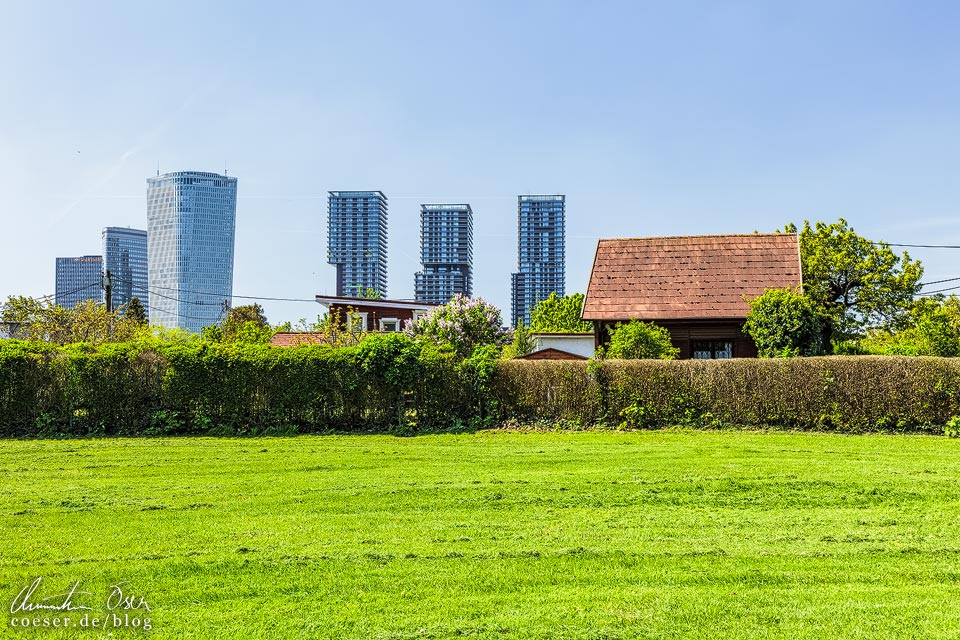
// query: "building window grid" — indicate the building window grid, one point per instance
point(540, 253)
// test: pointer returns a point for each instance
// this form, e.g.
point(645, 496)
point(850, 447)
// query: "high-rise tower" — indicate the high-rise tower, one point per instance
point(78, 279)
point(125, 257)
point(191, 222)
point(357, 241)
point(540, 253)
point(446, 251)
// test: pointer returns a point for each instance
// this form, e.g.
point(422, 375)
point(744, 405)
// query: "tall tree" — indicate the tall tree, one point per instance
point(559, 314)
point(856, 283)
point(135, 311)
point(246, 323)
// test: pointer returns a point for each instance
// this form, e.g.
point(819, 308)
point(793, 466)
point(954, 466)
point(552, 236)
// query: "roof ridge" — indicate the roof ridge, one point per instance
point(707, 235)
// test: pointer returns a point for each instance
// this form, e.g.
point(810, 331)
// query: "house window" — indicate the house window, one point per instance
point(389, 324)
point(357, 321)
point(712, 349)
point(419, 314)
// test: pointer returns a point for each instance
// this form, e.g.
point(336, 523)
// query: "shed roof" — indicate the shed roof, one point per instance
point(296, 338)
point(551, 353)
point(688, 277)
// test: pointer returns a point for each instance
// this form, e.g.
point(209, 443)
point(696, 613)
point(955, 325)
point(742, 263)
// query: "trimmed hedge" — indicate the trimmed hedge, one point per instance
point(853, 394)
point(222, 389)
point(218, 389)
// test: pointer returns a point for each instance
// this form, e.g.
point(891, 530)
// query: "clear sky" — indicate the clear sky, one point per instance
point(658, 118)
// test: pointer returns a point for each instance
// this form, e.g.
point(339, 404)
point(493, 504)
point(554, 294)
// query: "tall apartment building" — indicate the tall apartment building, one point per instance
point(191, 223)
point(125, 257)
point(78, 279)
point(540, 253)
point(357, 241)
point(446, 251)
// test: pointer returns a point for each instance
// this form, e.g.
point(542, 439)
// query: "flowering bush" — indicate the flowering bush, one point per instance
point(463, 323)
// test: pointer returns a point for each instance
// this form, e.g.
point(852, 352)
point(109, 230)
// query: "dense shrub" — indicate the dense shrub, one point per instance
point(784, 323)
point(32, 389)
point(933, 330)
point(640, 340)
point(560, 314)
point(530, 391)
point(227, 389)
point(854, 394)
point(394, 383)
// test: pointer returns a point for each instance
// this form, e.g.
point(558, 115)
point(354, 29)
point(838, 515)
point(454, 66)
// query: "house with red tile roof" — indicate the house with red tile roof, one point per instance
point(694, 286)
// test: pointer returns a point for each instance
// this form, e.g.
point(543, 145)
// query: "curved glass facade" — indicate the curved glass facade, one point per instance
point(191, 223)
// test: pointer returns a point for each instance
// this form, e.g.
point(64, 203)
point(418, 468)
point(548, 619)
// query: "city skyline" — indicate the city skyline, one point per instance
point(446, 248)
point(682, 119)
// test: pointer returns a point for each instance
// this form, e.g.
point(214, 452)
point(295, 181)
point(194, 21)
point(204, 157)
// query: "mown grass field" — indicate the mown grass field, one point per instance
point(494, 535)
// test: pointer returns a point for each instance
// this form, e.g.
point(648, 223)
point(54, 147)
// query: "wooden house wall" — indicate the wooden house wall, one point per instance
point(374, 314)
point(684, 332)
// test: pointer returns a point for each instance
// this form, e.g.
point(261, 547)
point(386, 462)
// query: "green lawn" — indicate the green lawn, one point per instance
point(494, 534)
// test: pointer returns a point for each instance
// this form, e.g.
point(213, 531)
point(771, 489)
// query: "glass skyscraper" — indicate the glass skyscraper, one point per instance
point(357, 241)
point(446, 251)
point(191, 221)
point(125, 257)
point(540, 254)
point(78, 279)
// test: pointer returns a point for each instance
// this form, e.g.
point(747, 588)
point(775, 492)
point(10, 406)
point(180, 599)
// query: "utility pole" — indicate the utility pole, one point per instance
point(108, 287)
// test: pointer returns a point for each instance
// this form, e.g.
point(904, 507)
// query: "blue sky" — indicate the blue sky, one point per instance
point(653, 118)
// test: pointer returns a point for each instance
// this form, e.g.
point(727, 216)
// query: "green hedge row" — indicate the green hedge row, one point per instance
point(853, 394)
point(129, 389)
point(221, 389)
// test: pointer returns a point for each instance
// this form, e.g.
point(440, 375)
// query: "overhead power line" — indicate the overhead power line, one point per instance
point(217, 295)
point(927, 284)
point(919, 246)
point(926, 293)
point(69, 293)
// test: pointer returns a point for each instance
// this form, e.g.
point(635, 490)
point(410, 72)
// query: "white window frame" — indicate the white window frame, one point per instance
point(355, 317)
point(394, 321)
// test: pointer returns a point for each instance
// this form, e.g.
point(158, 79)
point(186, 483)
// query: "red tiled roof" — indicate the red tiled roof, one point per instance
point(296, 338)
point(683, 277)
